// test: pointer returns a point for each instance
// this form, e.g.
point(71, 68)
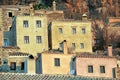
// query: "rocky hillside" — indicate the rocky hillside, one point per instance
point(96, 9)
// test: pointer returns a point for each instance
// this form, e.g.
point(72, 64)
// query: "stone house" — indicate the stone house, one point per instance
point(29, 32)
point(56, 62)
point(13, 61)
point(96, 65)
point(77, 33)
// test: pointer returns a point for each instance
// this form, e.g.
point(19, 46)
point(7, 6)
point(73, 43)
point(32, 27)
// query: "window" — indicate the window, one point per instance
point(22, 65)
point(90, 69)
point(73, 45)
point(38, 23)
point(38, 39)
point(13, 66)
point(5, 61)
point(81, 45)
point(26, 39)
point(73, 30)
point(83, 31)
point(60, 30)
point(61, 45)
point(57, 61)
point(102, 69)
point(10, 14)
point(6, 42)
point(25, 24)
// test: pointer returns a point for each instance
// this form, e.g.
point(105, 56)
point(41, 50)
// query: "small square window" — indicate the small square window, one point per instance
point(60, 30)
point(90, 69)
point(25, 24)
point(102, 69)
point(38, 39)
point(13, 66)
point(26, 39)
point(38, 23)
point(57, 61)
point(83, 31)
point(81, 45)
point(73, 45)
point(73, 30)
point(10, 14)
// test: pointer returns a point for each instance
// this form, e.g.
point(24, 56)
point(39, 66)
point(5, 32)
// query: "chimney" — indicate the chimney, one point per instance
point(31, 10)
point(110, 51)
point(54, 6)
point(84, 17)
point(65, 50)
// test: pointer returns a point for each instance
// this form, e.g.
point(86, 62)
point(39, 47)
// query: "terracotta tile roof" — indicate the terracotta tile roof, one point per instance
point(70, 20)
point(17, 54)
point(10, 47)
point(54, 52)
point(90, 55)
point(19, 76)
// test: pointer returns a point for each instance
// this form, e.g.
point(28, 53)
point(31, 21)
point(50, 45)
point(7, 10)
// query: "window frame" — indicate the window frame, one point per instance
point(38, 23)
point(90, 69)
point(38, 39)
point(82, 46)
point(57, 62)
point(13, 66)
point(10, 14)
point(61, 45)
point(26, 40)
point(102, 69)
point(83, 31)
point(6, 42)
point(25, 23)
point(73, 45)
point(74, 31)
point(60, 30)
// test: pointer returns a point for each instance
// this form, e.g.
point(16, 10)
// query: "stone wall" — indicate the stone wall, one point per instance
point(68, 35)
point(83, 62)
point(32, 31)
point(48, 63)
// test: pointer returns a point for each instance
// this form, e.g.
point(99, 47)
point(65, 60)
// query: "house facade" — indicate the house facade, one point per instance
point(77, 33)
point(31, 33)
point(96, 66)
point(56, 62)
point(13, 61)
